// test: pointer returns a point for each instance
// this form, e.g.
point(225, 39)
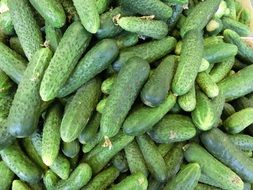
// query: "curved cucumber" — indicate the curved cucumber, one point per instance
point(53, 36)
point(71, 149)
point(50, 179)
point(126, 39)
point(188, 101)
point(6, 176)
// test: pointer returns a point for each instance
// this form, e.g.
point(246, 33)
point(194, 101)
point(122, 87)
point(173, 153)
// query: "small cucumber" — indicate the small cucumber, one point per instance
point(245, 17)
point(228, 110)
point(50, 179)
point(164, 148)
point(6, 176)
point(188, 101)
point(158, 85)
point(211, 40)
point(214, 27)
point(232, 9)
point(126, 39)
point(53, 36)
point(71, 149)
point(16, 46)
point(173, 20)
point(107, 84)
point(242, 141)
point(119, 161)
point(221, 10)
point(61, 167)
point(19, 185)
point(6, 24)
point(88, 146)
point(102, 5)
point(101, 105)
point(204, 65)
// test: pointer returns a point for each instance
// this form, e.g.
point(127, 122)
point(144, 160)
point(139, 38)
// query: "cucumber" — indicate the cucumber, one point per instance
point(218, 144)
point(102, 5)
point(228, 110)
point(135, 160)
point(119, 161)
point(188, 101)
point(187, 178)
point(95, 61)
point(26, 26)
point(176, 2)
point(201, 186)
point(239, 65)
point(6, 176)
point(19, 185)
point(101, 105)
point(155, 162)
point(207, 180)
point(218, 105)
point(88, 146)
point(86, 100)
point(77, 179)
point(61, 167)
point(211, 40)
point(245, 52)
point(173, 128)
point(200, 16)
point(51, 11)
point(50, 179)
point(102, 180)
point(20, 164)
point(16, 46)
point(144, 118)
point(136, 181)
point(155, 29)
point(132, 78)
point(153, 184)
point(158, 85)
point(189, 63)
point(177, 12)
point(204, 65)
point(157, 8)
point(214, 27)
point(232, 9)
point(74, 161)
point(107, 84)
point(242, 141)
point(63, 63)
point(53, 36)
point(88, 14)
point(164, 148)
point(150, 51)
point(71, 149)
point(12, 63)
point(126, 39)
point(102, 154)
point(6, 24)
point(70, 10)
point(223, 176)
point(245, 17)
point(221, 10)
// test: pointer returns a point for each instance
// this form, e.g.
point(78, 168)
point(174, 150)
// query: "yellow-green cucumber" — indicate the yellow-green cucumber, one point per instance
point(50, 179)
point(188, 101)
point(107, 84)
point(19, 185)
point(6, 176)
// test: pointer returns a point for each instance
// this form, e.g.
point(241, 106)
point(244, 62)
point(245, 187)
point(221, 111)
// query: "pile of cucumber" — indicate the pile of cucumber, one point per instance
point(125, 95)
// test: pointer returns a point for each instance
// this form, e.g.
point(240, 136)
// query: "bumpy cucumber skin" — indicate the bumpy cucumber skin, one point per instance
point(154, 161)
point(150, 51)
point(245, 17)
point(151, 28)
point(19, 185)
point(61, 167)
point(85, 100)
point(6, 137)
point(53, 36)
point(88, 14)
point(164, 148)
point(224, 150)
point(189, 63)
point(25, 26)
point(126, 40)
point(20, 164)
point(242, 141)
point(6, 86)
point(102, 5)
point(218, 104)
point(50, 179)
point(107, 84)
point(158, 85)
point(71, 149)
point(6, 23)
point(224, 177)
point(204, 65)
point(51, 11)
point(6, 176)
point(24, 113)
point(119, 161)
point(188, 101)
point(231, 7)
point(200, 16)
point(130, 78)
point(12, 63)
point(16, 46)
point(95, 61)
point(64, 60)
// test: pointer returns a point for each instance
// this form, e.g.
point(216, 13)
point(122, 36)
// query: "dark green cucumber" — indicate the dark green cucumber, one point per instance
point(63, 63)
point(158, 85)
point(6, 176)
point(105, 151)
point(154, 161)
point(189, 63)
point(19, 185)
point(172, 21)
point(88, 14)
point(164, 148)
point(71, 149)
point(50, 179)
point(126, 40)
point(219, 145)
point(150, 51)
point(153, 184)
point(223, 176)
point(6, 24)
point(51, 11)
point(25, 110)
point(20, 164)
point(218, 105)
point(200, 16)
point(188, 101)
point(53, 36)
point(95, 61)
point(102, 5)
point(242, 141)
point(135, 160)
point(119, 161)
point(16, 46)
point(12, 63)
point(107, 84)
point(88, 146)
point(148, 7)
point(144, 118)
point(173, 128)
point(85, 100)
point(130, 78)
point(26, 26)
point(155, 29)
point(242, 103)
point(187, 178)
point(228, 110)
point(232, 9)
point(136, 181)
point(77, 179)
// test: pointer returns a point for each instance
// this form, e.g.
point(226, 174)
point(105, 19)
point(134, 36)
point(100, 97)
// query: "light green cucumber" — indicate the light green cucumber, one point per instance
point(53, 36)
point(188, 101)
point(245, 17)
point(16, 46)
point(101, 105)
point(232, 9)
point(6, 176)
point(6, 24)
point(126, 39)
point(50, 179)
point(61, 167)
point(107, 84)
point(211, 40)
point(71, 149)
point(102, 5)
point(221, 10)
point(164, 148)
point(204, 65)
point(19, 185)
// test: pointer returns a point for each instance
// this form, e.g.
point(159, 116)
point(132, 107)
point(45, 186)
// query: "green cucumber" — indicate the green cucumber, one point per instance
point(164, 148)
point(189, 63)
point(132, 78)
point(75, 160)
point(6, 137)
point(119, 161)
point(176, 2)
point(63, 63)
point(204, 65)
point(214, 27)
point(177, 12)
point(126, 40)
point(50, 179)
point(211, 40)
point(88, 14)
point(232, 9)
point(71, 149)
point(200, 16)
point(228, 110)
point(150, 51)
point(26, 26)
point(242, 141)
point(219, 145)
point(154, 161)
point(77, 179)
point(53, 36)
point(207, 180)
point(102, 5)
point(153, 184)
point(70, 10)
point(158, 85)
point(20, 164)
point(201, 186)
point(136, 181)
point(6, 176)
point(6, 85)
point(188, 101)
point(101, 105)
point(12, 63)
point(148, 7)
point(145, 27)
point(135, 160)
point(95, 61)
point(218, 105)
point(223, 176)
point(221, 10)
point(88, 146)
point(144, 118)
point(51, 11)
point(102, 180)
point(16, 46)
point(19, 185)
point(187, 178)
point(27, 98)
point(107, 84)
point(61, 167)
point(173, 128)
point(85, 100)
point(6, 24)
point(245, 17)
